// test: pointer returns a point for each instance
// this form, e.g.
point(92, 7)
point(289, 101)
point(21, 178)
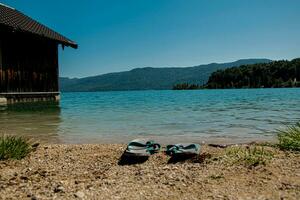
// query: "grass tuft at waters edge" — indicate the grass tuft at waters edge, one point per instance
point(289, 138)
point(14, 147)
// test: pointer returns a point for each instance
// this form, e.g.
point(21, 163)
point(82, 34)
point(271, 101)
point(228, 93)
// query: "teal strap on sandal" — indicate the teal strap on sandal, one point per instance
point(183, 149)
point(152, 147)
point(172, 149)
point(142, 147)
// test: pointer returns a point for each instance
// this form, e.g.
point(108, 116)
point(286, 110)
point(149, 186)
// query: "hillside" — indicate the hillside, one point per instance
point(275, 74)
point(149, 78)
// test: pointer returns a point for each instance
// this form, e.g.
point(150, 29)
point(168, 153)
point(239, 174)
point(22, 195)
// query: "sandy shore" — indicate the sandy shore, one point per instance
point(93, 172)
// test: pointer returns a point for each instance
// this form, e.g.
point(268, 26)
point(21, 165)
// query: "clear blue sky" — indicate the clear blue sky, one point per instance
point(117, 35)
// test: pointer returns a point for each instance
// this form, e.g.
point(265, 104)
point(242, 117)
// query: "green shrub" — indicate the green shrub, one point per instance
point(249, 156)
point(289, 138)
point(13, 147)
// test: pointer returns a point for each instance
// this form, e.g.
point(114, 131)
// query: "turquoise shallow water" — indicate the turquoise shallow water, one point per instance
point(168, 116)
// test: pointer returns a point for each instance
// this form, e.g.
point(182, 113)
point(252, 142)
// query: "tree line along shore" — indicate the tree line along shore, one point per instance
point(276, 74)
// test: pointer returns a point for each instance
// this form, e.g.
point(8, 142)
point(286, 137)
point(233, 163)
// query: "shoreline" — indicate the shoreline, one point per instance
point(91, 171)
point(164, 140)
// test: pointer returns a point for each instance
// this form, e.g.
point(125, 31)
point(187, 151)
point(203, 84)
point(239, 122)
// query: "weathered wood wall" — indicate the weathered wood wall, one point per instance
point(0, 53)
point(29, 64)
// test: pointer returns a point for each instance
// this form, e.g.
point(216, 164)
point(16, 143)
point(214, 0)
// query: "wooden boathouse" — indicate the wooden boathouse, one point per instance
point(28, 58)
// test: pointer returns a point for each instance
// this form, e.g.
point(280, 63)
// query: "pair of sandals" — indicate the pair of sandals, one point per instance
point(145, 148)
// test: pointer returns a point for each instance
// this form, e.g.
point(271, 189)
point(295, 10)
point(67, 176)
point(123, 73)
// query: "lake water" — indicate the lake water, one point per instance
point(167, 116)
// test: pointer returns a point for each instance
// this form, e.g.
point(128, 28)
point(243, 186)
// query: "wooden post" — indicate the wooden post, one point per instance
point(0, 54)
point(3, 100)
point(1, 69)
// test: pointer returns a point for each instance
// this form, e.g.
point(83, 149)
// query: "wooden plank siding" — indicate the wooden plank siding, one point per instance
point(0, 54)
point(28, 64)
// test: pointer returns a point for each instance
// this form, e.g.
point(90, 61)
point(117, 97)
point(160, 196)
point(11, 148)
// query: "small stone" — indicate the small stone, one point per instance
point(89, 186)
point(35, 145)
point(79, 194)
point(171, 183)
point(59, 189)
point(42, 173)
point(25, 178)
point(33, 197)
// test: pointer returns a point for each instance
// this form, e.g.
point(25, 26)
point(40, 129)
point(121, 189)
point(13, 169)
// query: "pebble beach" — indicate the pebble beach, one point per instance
point(93, 171)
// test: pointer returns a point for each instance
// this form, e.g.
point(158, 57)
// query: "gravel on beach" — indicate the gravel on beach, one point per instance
point(93, 171)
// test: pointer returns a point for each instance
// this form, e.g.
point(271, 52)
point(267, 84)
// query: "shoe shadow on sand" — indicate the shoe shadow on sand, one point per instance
point(131, 160)
point(189, 158)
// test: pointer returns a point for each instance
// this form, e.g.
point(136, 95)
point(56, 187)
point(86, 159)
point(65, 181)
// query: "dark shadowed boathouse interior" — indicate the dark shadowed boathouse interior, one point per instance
point(28, 58)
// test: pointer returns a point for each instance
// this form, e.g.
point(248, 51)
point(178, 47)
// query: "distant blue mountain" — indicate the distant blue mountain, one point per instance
point(149, 78)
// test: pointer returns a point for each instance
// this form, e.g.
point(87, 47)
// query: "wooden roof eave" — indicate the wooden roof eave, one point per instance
point(16, 30)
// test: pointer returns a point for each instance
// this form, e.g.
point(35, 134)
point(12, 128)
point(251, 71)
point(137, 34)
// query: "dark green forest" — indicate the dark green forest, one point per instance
point(186, 86)
point(275, 74)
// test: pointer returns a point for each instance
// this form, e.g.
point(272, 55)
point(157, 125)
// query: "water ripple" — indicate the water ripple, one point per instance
point(188, 115)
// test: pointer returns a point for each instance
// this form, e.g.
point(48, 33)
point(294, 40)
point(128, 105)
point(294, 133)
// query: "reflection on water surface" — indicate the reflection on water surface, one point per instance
point(38, 120)
point(168, 116)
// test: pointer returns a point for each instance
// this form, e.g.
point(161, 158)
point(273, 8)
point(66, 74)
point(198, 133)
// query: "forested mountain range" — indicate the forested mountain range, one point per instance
point(149, 78)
